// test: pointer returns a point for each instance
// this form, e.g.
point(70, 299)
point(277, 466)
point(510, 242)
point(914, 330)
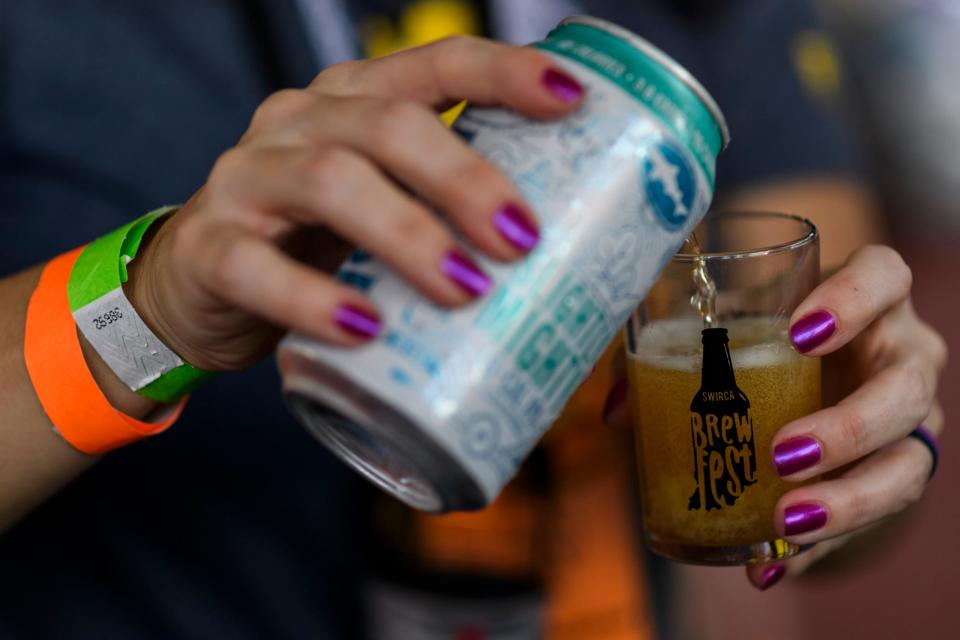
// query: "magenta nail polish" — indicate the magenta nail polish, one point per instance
point(616, 398)
point(771, 575)
point(796, 454)
point(562, 85)
point(357, 321)
point(467, 275)
point(513, 225)
point(811, 331)
point(802, 518)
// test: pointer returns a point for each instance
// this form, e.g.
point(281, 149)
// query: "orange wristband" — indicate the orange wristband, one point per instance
point(70, 396)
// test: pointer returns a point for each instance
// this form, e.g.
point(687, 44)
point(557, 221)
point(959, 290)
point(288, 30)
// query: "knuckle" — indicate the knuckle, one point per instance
point(858, 510)
point(916, 484)
point(185, 237)
point(338, 77)
point(852, 429)
point(394, 118)
point(509, 60)
point(474, 176)
point(412, 226)
point(940, 351)
point(224, 264)
point(281, 107)
point(451, 54)
point(332, 172)
point(229, 174)
point(456, 44)
point(898, 271)
point(230, 163)
point(912, 468)
point(337, 72)
point(916, 392)
point(901, 272)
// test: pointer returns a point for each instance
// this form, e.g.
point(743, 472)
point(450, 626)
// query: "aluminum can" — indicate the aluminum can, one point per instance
point(442, 408)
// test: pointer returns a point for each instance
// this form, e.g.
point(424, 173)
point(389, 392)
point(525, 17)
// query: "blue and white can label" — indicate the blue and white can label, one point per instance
point(616, 187)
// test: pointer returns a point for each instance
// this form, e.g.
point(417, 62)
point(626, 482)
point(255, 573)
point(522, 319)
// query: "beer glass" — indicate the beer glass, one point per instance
point(712, 378)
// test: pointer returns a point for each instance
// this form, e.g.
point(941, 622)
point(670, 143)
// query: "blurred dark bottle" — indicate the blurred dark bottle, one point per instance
point(462, 576)
point(557, 556)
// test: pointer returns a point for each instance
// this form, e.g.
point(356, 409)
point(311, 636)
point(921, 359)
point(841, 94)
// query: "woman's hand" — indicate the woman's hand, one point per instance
point(861, 316)
point(358, 158)
point(877, 348)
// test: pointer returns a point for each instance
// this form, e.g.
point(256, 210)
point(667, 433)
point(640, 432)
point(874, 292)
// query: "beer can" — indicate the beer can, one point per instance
point(441, 409)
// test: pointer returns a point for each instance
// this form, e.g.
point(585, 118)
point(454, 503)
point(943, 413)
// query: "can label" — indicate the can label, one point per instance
point(616, 190)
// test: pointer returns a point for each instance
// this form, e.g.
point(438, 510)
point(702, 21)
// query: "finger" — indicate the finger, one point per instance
point(764, 576)
point(879, 486)
point(883, 410)
point(339, 189)
point(934, 421)
point(461, 68)
point(253, 274)
point(873, 280)
point(616, 409)
point(473, 193)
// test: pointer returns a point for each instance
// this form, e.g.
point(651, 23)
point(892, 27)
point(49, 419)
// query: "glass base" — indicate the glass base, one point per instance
point(726, 555)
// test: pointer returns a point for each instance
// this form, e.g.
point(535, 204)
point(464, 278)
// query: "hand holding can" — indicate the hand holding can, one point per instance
point(442, 408)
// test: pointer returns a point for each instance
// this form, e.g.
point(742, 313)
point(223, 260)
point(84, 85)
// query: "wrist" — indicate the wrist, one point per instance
point(150, 289)
point(100, 303)
point(113, 388)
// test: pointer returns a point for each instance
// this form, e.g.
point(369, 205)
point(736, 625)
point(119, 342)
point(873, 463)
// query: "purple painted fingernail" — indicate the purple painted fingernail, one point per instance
point(616, 398)
point(801, 518)
point(563, 85)
point(357, 321)
point(463, 271)
point(514, 225)
point(811, 331)
point(796, 454)
point(771, 575)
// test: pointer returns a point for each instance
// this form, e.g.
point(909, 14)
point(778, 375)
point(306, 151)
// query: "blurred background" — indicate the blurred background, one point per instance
point(899, 61)
point(888, 67)
point(237, 523)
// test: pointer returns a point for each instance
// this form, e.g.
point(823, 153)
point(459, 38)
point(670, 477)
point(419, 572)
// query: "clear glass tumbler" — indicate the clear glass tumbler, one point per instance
point(713, 376)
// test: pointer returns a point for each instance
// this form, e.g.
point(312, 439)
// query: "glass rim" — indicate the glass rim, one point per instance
point(810, 236)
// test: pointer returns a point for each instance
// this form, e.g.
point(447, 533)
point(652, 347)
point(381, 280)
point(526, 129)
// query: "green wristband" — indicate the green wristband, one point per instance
point(112, 326)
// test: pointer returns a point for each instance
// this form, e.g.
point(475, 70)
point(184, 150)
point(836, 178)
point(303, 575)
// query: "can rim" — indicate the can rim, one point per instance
point(663, 59)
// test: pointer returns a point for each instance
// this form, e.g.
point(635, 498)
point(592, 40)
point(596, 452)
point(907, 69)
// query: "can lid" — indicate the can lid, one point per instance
point(663, 59)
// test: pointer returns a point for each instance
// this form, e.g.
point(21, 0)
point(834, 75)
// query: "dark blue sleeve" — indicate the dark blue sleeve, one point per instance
point(780, 125)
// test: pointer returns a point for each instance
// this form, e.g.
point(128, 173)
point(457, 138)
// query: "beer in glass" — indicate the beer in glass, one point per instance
point(713, 377)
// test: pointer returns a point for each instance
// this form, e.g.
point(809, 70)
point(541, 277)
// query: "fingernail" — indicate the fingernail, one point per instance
point(771, 575)
point(811, 331)
point(357, 321)
point(801, 518)
point(514, 225)
point(463, 271)
point(563, 85)
point(616, 398)
point(796, 454)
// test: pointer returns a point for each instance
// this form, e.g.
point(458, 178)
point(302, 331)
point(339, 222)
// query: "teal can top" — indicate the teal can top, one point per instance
point(649, 75)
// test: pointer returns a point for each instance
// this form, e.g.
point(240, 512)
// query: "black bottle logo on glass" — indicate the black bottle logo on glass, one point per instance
point(721, 429)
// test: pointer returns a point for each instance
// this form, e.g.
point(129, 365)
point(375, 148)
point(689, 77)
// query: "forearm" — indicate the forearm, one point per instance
point(34, 460)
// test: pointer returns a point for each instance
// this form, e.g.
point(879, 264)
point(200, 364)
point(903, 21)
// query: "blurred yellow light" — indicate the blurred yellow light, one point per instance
point(817, 63)
point(430, 20)
point(420, 23)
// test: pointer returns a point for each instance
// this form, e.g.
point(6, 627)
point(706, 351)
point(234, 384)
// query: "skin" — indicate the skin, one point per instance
point(341, 163)
point(337, 164)
point(882, 365)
